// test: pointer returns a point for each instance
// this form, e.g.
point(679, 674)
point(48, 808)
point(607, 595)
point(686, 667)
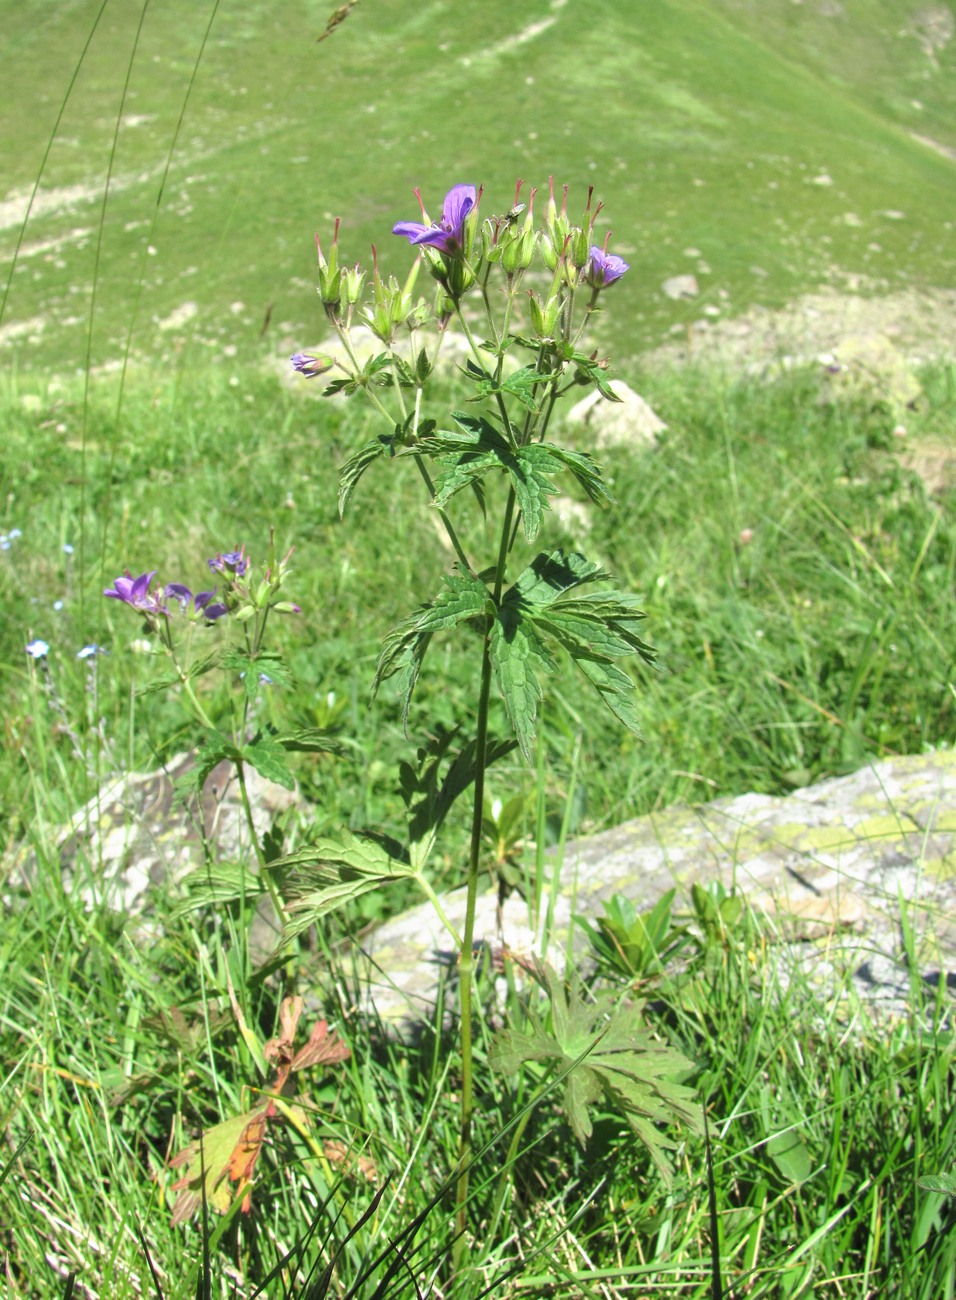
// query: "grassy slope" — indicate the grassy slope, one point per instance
point(701, 126)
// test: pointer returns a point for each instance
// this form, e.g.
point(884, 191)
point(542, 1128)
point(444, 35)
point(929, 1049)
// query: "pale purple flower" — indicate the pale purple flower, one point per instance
point(233, 563)
point(37, 649)
point(448, 236)
point(604, 268)
point(135, 592)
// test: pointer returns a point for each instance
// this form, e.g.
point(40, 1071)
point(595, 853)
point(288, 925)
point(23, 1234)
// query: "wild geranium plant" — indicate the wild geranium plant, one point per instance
point(242, 601)
point(534, 289)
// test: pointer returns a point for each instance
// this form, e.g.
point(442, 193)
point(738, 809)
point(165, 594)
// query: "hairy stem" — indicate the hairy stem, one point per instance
point(467, 958)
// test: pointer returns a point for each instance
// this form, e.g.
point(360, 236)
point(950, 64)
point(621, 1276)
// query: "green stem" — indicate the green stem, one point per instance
point(439, 910)
point(466, 958)
point(449, 526)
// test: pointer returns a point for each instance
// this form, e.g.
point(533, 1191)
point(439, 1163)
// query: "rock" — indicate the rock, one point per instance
point(680, 286)
point(629, 422)
point(871, 367)
point(145, 831)
point(827, 867)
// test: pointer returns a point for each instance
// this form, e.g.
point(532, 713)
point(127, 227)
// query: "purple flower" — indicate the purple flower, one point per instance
point(135, 592)
point(208, 611)
point(311, 364)
point(448, 236)
point(604, 268)
point(177, 591)
point(37, 649)
point(233, 563)
point(200, 602)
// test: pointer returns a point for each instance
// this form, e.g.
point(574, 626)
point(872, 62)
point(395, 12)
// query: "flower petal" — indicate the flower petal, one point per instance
point(459, 201)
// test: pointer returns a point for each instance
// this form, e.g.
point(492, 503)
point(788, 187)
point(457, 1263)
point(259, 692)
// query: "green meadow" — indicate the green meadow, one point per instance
point(166, 168)
point(199, 148)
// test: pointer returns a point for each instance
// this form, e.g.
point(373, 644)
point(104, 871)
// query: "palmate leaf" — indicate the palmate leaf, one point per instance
point(594, 628)
point(467, 456)
point(404, 646)
point(520, 384)
point(607, 1053)
point(328, 873)
point(195, 669)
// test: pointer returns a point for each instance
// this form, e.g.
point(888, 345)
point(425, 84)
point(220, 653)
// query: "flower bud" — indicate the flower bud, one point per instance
point(311, 364)
point(544, 320)
point(353, 282)
point(329, 275)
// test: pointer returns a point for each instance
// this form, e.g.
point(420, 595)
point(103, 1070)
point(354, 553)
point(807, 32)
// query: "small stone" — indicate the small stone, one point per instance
point(680, 286)
point(629, 422)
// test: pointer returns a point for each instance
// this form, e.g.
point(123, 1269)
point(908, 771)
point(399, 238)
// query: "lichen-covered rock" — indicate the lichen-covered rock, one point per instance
point(827, 866)
point(147, 830)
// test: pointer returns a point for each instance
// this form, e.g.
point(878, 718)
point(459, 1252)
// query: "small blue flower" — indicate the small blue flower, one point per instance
point(58, 605)
point(89, 651)
point(67, 548)
point(37, 649)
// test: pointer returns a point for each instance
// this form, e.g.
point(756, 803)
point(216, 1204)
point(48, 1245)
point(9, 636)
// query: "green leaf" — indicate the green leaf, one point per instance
point(404, 647)
point(196, 669)
point(789, 1153)
point(944, 1183)
point(356, 465)
point(216, 883)
point(584, 468)
point(518, 655)
point(329, 873)
point(549, 576)
point(522, 383)
point(531, 468)
point(249, 667)
point(590, 370)
point(607, 1054)
point(267, 755)
point(310, 740)
point(214, 746)
point(428, 802)
point(594, 628)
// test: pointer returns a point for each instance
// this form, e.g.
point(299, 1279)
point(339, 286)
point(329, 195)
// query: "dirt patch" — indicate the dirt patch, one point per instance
point(921, 324)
